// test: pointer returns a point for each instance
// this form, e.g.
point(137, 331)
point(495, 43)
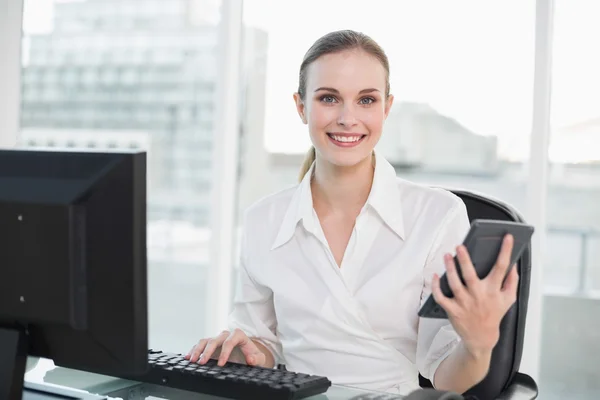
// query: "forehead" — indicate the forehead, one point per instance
point(352, 70)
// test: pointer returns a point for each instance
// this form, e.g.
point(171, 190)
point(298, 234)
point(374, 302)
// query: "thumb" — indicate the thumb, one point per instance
point(258, 359)
point(252, 353)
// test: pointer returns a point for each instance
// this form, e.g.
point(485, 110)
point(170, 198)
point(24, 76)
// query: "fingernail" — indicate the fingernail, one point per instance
point(251, 360)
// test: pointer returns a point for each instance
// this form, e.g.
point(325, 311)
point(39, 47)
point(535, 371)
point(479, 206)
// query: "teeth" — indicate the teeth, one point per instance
point(347, 139)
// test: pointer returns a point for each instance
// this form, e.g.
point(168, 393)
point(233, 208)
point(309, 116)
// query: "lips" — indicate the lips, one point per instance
point(345, 139)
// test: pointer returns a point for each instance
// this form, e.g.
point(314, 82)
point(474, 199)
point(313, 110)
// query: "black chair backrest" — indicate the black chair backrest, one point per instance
point(506, 357)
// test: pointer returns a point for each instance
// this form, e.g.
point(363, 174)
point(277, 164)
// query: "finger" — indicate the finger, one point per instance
point(236, 338)
point(503, 261)
point(201, 343)
point(466, 267)
point(511, 286)
point(445, 302)
point(189, 353)
point(211, 346)
point(197, 350)
point(457, 287)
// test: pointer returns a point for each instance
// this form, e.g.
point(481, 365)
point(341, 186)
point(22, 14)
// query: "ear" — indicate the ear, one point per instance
point(388, 105)
point(300, 108)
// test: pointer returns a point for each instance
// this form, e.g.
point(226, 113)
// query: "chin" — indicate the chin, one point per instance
point(347, 158)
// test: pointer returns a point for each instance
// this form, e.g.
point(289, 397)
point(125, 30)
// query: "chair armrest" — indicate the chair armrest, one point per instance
point(522, 387)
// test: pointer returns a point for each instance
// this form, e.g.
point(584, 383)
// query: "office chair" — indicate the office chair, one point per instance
point(504, 381)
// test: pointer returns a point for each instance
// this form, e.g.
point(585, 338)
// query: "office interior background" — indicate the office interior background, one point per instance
point(498, 97)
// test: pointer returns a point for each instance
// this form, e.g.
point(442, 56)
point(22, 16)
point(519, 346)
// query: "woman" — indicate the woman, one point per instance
point(334, 270)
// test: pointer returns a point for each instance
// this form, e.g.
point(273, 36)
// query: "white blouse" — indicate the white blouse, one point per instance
point(356, 324)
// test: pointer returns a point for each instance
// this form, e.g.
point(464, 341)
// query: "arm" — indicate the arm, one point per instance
point(437, 341)
point(253, 314)
point(251, 337)
point(462, 370)
point(253, 310)
point(474, 311)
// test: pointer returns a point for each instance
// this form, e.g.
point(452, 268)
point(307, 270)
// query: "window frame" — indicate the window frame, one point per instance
point(226, 130)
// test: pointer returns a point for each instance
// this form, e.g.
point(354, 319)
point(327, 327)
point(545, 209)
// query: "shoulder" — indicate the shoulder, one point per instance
point(270, 209)
point(418, 196)
point(427, 209)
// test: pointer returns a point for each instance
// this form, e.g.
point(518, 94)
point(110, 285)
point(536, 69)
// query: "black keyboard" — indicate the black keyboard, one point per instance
point(234, 381)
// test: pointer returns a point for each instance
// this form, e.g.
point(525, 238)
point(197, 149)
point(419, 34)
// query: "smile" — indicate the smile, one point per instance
point(345, 140)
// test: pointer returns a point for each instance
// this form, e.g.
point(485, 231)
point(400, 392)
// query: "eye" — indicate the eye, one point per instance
point(367, 101)
point(328, 99)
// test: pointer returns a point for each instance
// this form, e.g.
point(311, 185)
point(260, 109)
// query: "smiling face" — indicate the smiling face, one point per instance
point(345, 106)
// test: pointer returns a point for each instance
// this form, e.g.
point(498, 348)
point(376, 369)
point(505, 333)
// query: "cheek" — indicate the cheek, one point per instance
point(321, 117)
point(373, 120)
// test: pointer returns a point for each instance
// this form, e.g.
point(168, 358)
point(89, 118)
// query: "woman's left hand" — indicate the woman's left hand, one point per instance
point(478, 306)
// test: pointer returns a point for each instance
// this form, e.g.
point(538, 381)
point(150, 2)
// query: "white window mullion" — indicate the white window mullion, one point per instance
point(11, 27)
point(224, 166)
point(538, 178)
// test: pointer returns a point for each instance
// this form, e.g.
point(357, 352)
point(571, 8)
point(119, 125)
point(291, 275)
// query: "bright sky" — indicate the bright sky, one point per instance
point(469, 59)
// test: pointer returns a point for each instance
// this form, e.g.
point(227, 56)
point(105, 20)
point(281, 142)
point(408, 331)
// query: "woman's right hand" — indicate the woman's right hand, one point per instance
point(228, 346)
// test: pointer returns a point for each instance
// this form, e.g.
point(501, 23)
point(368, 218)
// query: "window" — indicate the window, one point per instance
point(462, 105)
point(572, 270)
point(120, 95)
point(462, 75)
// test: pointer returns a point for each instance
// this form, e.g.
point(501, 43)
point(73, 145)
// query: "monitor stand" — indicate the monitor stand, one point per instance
point(13, 358)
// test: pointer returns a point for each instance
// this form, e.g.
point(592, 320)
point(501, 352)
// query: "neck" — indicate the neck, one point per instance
point(342, 188)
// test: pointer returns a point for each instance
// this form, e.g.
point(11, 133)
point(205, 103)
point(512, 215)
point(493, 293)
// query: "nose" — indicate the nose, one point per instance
point(347, 116)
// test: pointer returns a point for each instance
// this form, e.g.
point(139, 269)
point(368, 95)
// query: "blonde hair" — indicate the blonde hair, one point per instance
point(336, 42)
point(311, 155)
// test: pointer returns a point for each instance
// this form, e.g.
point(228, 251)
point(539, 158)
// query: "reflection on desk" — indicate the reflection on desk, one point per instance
point(48, 391)
point(154, 392)
point(45, 372)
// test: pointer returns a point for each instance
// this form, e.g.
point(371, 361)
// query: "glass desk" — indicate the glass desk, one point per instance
point(43, 374)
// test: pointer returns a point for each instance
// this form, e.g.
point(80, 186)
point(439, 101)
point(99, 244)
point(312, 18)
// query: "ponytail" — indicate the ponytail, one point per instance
point(308, 161)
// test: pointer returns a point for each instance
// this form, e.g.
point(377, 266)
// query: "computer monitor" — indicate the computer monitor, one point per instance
point(72, 262)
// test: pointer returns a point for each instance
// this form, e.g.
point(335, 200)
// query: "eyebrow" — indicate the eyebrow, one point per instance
point(370, 90)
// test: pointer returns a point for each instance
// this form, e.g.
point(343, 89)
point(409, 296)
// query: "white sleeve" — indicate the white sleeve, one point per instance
point(253, 311)
point(436, 337)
